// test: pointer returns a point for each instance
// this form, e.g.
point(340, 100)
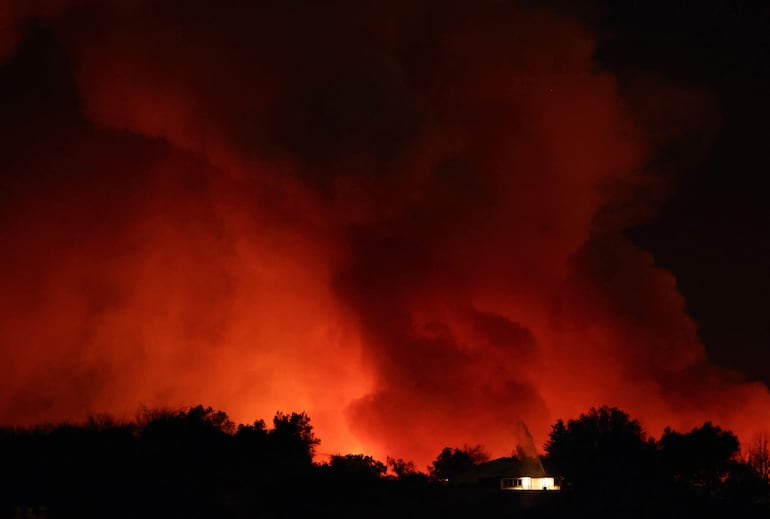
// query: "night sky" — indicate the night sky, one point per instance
point(424, 223)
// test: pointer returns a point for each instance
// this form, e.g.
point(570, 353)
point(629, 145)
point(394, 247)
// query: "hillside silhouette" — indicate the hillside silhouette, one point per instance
point(197, 463)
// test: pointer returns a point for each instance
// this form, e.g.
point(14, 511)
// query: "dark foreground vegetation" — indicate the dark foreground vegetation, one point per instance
point(196, 463)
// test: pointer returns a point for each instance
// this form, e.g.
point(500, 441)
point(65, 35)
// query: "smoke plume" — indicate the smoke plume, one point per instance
point(406, 219)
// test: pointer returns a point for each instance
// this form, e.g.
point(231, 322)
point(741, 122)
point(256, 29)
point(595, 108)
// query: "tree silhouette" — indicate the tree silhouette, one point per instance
point(602, 446)
point(194, 462)
point(291, 442)
point(758, 456)
point(401, 468)
point(254, 433)
point(700, 458)
point(452, 462)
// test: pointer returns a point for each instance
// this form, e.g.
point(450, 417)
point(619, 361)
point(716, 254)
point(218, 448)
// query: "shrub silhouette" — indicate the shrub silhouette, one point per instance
point(356, 468)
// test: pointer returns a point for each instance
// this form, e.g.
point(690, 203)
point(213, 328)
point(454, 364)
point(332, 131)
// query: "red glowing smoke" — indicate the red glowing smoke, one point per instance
point(405, 220)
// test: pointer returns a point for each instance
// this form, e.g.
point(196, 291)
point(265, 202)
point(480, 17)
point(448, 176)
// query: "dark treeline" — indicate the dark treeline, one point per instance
point(197, 463)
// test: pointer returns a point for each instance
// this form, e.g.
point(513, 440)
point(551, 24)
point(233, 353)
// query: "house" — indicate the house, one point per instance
point(498, 474)
point(529, 483)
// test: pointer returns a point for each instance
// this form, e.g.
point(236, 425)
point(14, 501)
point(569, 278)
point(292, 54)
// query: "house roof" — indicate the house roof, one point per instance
point(503, 468)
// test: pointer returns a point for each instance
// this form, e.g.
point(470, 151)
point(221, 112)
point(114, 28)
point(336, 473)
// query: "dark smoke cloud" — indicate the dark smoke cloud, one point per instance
point(404, 219)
